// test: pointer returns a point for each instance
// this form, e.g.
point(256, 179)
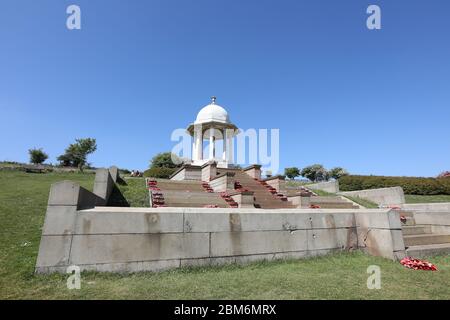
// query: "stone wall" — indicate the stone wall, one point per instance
point(187, 172)
point(209, 171)
point(253, 171)
point(277, 182)
point(77, 231)
point(442, 206)
point(105, 180)
point(383, 196)
point(150, 239)
point(380, 233)
point(222, 182)
point(328, 186)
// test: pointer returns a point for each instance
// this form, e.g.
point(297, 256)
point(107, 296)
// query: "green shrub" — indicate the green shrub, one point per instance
point(410, 185)
point(37, 156)
point(162, 173)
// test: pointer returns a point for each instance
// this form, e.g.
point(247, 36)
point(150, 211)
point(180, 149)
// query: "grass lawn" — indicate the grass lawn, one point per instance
point(363, 202)
point(411, 198)
point(130, 192)
point(23, 199)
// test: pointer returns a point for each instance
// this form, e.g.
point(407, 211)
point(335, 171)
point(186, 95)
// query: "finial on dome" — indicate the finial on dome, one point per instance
point(213, 100)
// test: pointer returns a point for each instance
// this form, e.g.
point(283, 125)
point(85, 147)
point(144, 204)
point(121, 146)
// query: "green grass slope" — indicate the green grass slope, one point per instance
point(23, 199)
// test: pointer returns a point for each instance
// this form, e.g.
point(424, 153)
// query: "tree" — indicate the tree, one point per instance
point(163, 165)
point(316, 172)
point(76, 153)
point(159, 172)
point(37, 156)
point(292, 172)
point(338, 172)
point(165, 160)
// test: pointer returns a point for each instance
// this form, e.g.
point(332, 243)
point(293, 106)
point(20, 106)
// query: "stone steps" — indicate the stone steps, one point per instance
point(194, 204)
point(416, 230)
point(263, 198)
point(425, 239)
point(420, 241)
point(421, 251)
point(187, 194)
point(334, 205)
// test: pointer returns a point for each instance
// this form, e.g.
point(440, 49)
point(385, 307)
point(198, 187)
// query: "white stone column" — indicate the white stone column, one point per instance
point(230, 148)
point(194, 146)
point(198, 143)
point(211, 144)
point(225, 142)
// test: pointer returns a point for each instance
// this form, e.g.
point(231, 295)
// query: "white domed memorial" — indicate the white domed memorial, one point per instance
point(212, 124)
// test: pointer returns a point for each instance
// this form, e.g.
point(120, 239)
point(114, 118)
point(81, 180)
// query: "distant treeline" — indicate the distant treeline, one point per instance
point(410, 185)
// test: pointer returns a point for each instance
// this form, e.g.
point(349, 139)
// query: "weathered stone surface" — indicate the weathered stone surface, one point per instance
point(379, 218)
point(320, 239)
point(59, 220)
point(330, 220)
point(64, 193)
point(135, 266)
point(103, 186)
point(381, 242)
point(239, 220)
point(382, 196)
point(120, 221)
point(253, 171)
point(329, 186)
point(244, 199)
point(433, 218)
point(438, 207)
point(138, 239)
point(114, 172)
point(95, 249)
point(69, 193)
point(54, 251)
point(257, 242)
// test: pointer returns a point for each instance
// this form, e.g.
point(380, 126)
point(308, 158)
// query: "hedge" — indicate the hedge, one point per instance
point(410, 185)
point(162, 173)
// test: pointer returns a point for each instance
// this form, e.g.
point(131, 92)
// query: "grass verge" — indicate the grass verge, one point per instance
point(411, 198)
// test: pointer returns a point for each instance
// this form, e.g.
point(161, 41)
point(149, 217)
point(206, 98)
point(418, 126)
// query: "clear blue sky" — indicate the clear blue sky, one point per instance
point(374, 102)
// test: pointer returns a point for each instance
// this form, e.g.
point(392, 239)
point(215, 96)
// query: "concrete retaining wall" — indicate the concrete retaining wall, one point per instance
point(380, 233)
point(105, 180)
point(187, 172)
point(151, 239)
point(383, 196)
point(77, 231)
point(328, 186)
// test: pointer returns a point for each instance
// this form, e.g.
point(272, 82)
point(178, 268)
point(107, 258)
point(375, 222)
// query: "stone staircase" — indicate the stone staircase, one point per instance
point(332, 202)
point(187, 193)
point(420, 241)
point(324, 202)
point(264, 196)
